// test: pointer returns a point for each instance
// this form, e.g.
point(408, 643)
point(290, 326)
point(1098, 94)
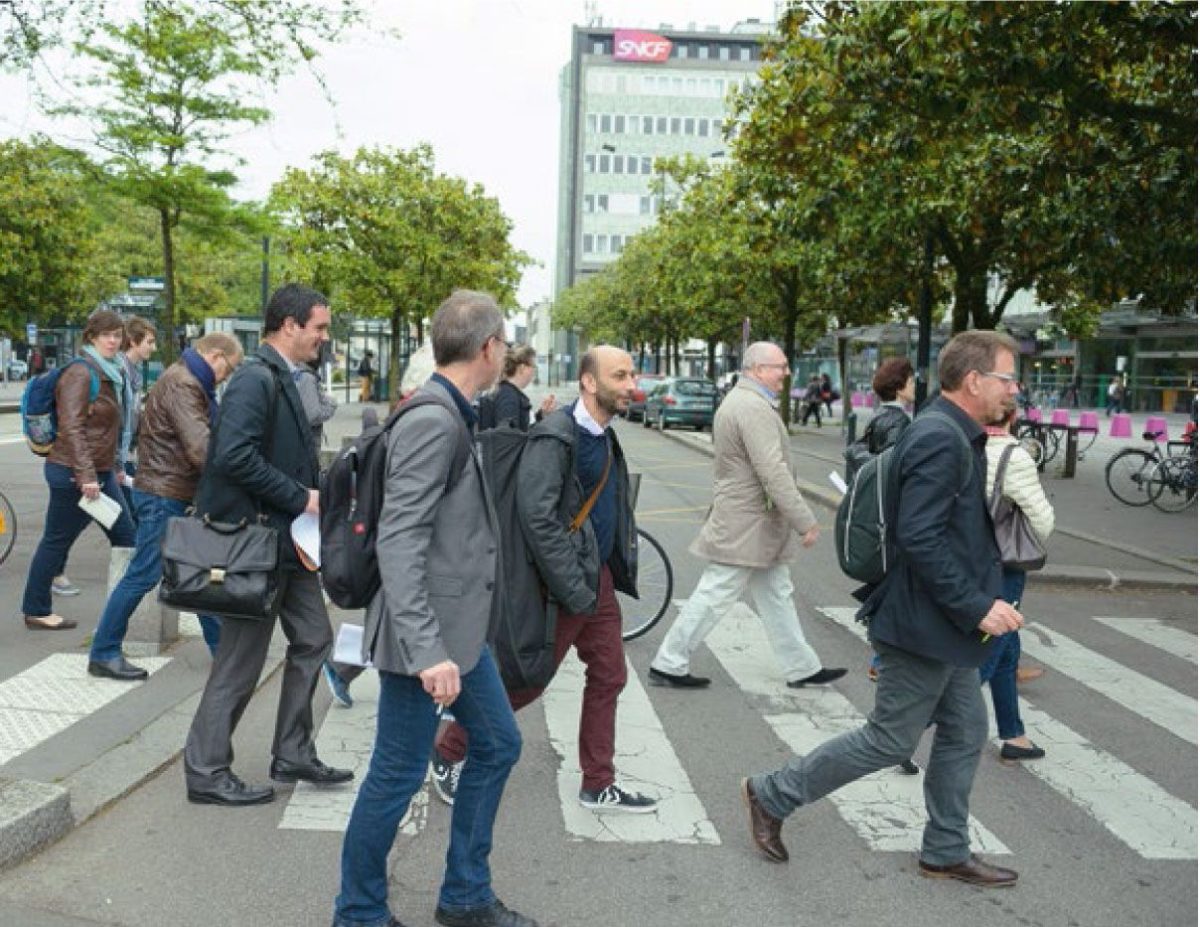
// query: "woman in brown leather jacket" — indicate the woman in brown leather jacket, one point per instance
point(80, 464)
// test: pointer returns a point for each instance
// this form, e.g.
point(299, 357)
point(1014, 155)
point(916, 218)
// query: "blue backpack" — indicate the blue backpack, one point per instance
point(39, 414)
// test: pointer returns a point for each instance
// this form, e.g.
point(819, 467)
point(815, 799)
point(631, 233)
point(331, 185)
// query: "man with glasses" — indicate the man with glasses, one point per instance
point(933, 621)
point(757, 523)
point(172, 447)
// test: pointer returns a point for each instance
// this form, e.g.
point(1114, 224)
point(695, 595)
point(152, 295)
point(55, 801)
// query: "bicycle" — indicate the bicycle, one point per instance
point(656, 582)
point(1173, 483)
point(1129, 471)
point(8, 527)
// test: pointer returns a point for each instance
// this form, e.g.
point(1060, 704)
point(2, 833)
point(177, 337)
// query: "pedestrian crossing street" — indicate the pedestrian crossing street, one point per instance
point(885, 810)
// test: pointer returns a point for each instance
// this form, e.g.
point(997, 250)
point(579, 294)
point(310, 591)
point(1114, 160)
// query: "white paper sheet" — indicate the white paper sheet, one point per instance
point(104, 509)
point(306, 535)
point(347, 648)
point(838, 483)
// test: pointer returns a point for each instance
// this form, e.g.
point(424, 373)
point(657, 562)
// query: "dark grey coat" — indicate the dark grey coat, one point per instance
point(549, 494)
point(947, 573)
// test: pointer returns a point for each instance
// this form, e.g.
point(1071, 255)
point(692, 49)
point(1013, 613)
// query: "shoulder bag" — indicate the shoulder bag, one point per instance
point(1019, 545)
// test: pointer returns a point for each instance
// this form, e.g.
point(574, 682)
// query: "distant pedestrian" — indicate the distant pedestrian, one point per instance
point(173, 447)
point(426, 631)
point(81, 464)
point(934, 618)
point(366, 376)
point(319, 405)
point(828, 394)
point(1115, 397)
point(812, 400)
point(750, 535)
point(573, 455)
point(263, 463)
point(508, 402)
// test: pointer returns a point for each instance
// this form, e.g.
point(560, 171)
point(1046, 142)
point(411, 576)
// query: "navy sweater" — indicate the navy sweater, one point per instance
point(590, 457)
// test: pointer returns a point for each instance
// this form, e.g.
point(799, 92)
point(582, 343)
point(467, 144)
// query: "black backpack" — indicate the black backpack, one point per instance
point(351, 499)
point(522, 635)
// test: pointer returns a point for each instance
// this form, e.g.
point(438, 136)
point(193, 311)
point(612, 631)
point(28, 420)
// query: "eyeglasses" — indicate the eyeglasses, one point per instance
point(1008, 378)
point(776, 366)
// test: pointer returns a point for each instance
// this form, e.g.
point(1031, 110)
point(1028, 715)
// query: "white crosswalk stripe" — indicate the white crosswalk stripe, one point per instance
point(1144, 816)
point(1156, 633)
point(886, 809)
point(645, 762)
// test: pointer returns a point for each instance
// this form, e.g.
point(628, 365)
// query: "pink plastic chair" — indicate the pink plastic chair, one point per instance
point(858, 400)
point(1034, 415)
point(1121, 426)
point(1088, 421)
point(1060, 417)
point(1158, 426)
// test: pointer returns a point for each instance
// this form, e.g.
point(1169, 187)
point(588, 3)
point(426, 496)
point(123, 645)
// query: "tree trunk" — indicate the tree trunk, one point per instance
point(658, 356)
point(970, 300)
point(394, 357)
point(788, 311)
point(712, 359)
point(168, 346)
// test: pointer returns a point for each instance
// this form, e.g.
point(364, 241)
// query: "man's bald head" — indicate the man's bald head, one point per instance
point(766, 364)
point(606, 380)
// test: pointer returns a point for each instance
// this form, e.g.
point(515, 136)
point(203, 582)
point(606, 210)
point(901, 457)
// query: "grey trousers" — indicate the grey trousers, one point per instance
point(912, 691)
point(236, 667)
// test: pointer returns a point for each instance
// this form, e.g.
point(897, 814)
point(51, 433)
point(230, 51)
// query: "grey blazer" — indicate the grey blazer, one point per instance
point(438, 553)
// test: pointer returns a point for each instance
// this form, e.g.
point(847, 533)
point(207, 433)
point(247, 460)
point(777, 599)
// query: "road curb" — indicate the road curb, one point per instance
point(1065, 575)
point(35, 814)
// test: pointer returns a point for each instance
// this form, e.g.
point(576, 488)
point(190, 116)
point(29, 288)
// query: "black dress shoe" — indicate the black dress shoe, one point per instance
point(233, 792)
point(494, 915)
point(1013, 752)
point(116, 668)
point(315, 772)
point(684, 681)
point(820, 677)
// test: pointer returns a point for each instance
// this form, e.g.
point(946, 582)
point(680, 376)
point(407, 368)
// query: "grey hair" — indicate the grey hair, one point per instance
point(757, 354)
point(462, 325)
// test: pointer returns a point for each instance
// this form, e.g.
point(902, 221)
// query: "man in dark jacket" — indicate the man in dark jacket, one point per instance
point(933, 621)
point(262, 462)
point(572, 455)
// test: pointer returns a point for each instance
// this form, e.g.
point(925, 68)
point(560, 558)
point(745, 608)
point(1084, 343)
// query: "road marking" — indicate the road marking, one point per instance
point(886, 809)
point(1138, 812)
point(1156, 633)
point(346, 739)
point(645, 760)
point(1173, 711)
point(10, 439)
point(52, 695)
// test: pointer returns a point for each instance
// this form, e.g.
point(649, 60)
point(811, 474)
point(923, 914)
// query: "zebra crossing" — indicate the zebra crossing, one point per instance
point(886, 811)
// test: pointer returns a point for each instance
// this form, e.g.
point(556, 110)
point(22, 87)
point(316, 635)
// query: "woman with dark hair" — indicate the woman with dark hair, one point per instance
point(895, 385)
point(81, 464)
point(508, 403)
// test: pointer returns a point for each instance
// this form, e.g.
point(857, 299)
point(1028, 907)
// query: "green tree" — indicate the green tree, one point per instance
point(46, 235)
point(387, 235)
point(173, 86)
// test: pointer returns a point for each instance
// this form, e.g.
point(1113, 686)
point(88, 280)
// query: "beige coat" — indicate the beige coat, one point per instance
point(757, 511)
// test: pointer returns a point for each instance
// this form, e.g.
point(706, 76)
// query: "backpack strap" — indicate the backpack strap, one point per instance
point(462, 450)
point(966, 461)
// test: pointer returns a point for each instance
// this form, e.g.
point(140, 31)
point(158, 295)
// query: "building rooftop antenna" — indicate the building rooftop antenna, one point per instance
point(591, 13)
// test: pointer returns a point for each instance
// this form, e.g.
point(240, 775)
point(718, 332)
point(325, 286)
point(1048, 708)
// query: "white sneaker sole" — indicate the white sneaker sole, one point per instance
point(619, 809)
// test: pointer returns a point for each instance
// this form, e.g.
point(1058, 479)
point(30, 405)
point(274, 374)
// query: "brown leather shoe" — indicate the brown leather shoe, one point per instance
point(50, 623)
point(764, 829)
point(973, 871)
point(1029, 674)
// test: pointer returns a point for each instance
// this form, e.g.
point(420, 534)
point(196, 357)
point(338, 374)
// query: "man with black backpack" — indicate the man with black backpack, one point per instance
point(933, 618)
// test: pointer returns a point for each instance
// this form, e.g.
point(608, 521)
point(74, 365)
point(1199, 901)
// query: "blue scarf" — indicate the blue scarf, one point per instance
point(198, 367)
point(111, 368)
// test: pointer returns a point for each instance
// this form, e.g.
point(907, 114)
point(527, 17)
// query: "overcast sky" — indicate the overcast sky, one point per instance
point(477, 79)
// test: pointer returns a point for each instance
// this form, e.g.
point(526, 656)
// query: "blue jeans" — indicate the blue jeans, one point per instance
point(406, 725)
point(1000, 670)
point(65, 521)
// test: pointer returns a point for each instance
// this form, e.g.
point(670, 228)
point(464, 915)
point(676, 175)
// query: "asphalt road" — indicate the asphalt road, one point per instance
point(1116, 793)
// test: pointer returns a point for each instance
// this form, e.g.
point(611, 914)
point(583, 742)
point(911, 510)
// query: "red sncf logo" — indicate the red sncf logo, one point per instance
point(636, 45)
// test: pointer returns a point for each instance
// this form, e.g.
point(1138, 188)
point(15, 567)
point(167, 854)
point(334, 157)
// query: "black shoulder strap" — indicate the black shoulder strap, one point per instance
point(966, 461)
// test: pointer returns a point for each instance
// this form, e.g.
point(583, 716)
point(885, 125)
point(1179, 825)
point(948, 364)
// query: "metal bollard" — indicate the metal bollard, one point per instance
point(851, 427)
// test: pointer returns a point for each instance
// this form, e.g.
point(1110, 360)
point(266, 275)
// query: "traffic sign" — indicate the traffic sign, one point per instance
point(156, 284)
point(31, 332)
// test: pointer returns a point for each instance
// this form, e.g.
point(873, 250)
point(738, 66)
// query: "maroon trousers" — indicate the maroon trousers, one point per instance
point(597, 640)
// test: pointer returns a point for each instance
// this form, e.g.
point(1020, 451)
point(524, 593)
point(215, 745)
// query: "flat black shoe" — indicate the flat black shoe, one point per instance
point(116, 668)
point(684, 681)
point(909, 768)
point(494, 915)
point(315, 772)
point(1013, 752)
point(233, 792)
point(820, 677)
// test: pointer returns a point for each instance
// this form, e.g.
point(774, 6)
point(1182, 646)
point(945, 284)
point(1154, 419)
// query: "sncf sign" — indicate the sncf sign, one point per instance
point(635, 45)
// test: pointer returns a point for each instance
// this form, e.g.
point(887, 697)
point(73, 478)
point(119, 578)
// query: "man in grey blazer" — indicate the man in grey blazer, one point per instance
point(426, 631)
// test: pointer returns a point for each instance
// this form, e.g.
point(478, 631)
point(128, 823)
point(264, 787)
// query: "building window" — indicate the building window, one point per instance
point(597, 48)
point(716, 127)
point(621, 84)
point(664, 84)
point(647, 164)
point(602, 202)
point(702, 127)
point(706, 87)
point(723, 52)
point(618, 244)
point(589, 203)
point(691, 86)
point(647, 125)
point(702, 51)
point(681, 50)
point(603, 165)
point(591, 122)
point(587, 244)
point(677, 85)
point(633, 123)
point(661, 126)
point(589, 164)
point(606, 123)
point(602, 244)
point(618, 164)
point(720, 86)
point(744, 53)
point(631, 164)
point(689, 126)
point(676, 125)
point(644, 207)
point(619, 125)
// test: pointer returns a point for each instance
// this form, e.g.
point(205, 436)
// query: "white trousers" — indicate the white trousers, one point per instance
point(718, 591)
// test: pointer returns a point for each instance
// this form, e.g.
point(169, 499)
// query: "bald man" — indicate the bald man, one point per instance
point(750, 536)
point(572, 456)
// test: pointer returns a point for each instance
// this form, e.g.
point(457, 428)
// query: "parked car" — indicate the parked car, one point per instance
point(637, 405)
point(681, 401)
point(17, 369)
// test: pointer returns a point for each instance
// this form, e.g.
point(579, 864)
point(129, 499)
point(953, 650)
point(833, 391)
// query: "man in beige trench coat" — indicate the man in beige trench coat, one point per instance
point(751, 534)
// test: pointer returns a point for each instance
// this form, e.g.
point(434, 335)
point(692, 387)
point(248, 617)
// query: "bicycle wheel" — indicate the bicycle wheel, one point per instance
point(1128, 475)
point(1051, 441)
point(8, 527)
point(656, 582)
point(1173, 484)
